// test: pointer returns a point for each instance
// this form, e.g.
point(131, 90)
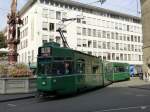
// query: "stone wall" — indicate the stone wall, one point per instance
point(17, 85)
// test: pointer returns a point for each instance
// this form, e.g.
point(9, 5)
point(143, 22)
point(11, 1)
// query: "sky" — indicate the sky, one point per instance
point(131, 7)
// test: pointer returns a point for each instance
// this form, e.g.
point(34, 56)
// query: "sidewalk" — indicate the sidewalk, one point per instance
point(12, 97)
point(134, 82)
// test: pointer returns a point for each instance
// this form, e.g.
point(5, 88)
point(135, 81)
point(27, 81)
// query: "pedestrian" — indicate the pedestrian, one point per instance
point(140, 76)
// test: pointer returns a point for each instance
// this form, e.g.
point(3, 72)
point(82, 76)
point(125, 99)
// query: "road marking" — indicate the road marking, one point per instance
point(143, 107)
point(127, 108)
point(140, 95)
point(11, 105)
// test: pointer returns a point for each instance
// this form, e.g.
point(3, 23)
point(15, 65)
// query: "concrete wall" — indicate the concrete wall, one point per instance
point(145, 4)
point(17, 85)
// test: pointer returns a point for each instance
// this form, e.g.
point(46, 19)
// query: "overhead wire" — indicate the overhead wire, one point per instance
point(125, 8)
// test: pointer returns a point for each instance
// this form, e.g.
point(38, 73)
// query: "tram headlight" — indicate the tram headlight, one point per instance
point(43, 83)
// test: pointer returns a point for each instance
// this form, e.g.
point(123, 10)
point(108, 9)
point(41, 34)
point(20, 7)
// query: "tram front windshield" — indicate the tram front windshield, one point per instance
point(55, 68)
point(45, 68)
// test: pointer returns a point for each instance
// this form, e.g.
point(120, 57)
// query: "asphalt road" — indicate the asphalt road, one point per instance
point(123, 99)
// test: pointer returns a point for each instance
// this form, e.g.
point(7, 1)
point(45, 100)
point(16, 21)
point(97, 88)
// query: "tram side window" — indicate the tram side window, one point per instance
point(62, 68)
point(120, 69)
point(95, 69)
point(80, 67)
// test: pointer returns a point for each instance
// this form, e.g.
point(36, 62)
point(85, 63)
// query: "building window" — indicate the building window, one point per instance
point(128, 28)
point(84, 31)
point(79, 42)
point(120, 36)
point(94, 32)
point(108, 35)
point(121, 56)
point(129, 47)
point(139, 39)
point(44, 25)
point(108, 45)
point(84, 21)
point(104, 34)
point(113, 45)
point(52, 14)
point(132, 47)
point(64, 15)
point(125, 57)
point(94, 44)
point(129, 57)
point(104, 45)
point(117, 56)
point(84, 43)
point(116, 26)
point(124, 37)
point(78, 20)
point(45, 13)
point(51, 26)
point(109, 56)
point(44, 41)
point(99, 33)
point(140, 57)
point(135, 38)
point(79, 31)
point(99, 44)
point(132, 38)
point(89, 32)
point(120, 26)
point(112, 35)
point(58, 15)
point(58, 39)
point(89, 43)
point(128, 37)
point(113, 56)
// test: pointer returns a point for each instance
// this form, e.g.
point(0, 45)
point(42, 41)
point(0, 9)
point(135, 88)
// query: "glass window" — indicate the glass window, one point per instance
point(99, 33)
point(89, 32)
point(64, 15)
point(79, 30)
point(104, 45)
point(84, 43)
point(63, 67)
point(99, 44)
point(112, 35)
point(58, 15)
point(44, 41)
point(94, 44)
point(51, 26)
point(108, 34)
point(44, 68)
point(89, 43)
point(108, 45)
point(104, 34)
point(45, 25)
point(79, 42)
point(121, 69)
point(80, 66)
point(45, 13)
point(84, 31)
point(52, 14)
point(94, 32)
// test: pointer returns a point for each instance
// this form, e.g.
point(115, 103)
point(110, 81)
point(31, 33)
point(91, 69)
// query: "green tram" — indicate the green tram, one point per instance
point(63, 70)
point(119, 71)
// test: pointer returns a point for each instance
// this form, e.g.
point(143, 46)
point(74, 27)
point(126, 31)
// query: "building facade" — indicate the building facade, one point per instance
point(145, 4)
point(113, 36)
